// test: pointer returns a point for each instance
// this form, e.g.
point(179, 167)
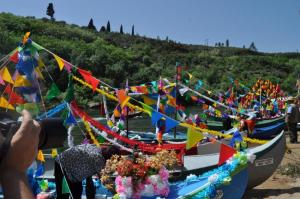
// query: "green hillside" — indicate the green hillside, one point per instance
point(114, 57)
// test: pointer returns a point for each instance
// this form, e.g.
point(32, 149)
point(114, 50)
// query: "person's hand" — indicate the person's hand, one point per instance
point(23, 146)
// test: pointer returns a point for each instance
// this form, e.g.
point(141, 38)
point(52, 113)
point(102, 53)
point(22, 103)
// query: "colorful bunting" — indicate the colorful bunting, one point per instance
point(226, 152)
point(87, 76)
point(68, 66)
point(40, 170)
point(170, 123)
point(6, 75)
point(182, 91)
point(59, 61)
point(53, 92)
point(155, 117)
point(44, 185)
point(193, 137)
point(4, 104)
point(122, 97)
point(148, 100)
point(199, 84)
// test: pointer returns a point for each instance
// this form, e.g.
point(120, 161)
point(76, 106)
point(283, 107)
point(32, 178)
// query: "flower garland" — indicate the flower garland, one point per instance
point(219, 176)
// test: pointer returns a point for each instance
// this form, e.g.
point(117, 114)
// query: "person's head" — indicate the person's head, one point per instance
point(109, 151)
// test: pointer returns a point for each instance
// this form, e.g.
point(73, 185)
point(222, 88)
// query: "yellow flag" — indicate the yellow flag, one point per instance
point(39, 73)
point(193, 137)
point(40, 63)
point(110, 123)
point(21, 81)
point(148, 100)
point(4, 104)
point(190, 75)
point(54, 153)
point(59, 61)
point(6, 75)
point(40, 156)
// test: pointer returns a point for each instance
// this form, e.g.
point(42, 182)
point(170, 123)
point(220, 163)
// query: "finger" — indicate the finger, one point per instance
point(27, 121)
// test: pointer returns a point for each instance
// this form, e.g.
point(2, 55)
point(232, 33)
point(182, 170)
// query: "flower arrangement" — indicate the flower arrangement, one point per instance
point(139, 175)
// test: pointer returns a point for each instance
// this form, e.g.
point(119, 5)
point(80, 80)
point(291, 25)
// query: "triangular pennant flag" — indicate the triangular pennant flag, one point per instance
point(37, 46)
point(14, 57)
point(71, 119)
point(190, 75)
point(193, 137)
point(87, 76)
point(148, 100)
point(226, 152)
point(155, 117)
point(14, 98)
point(39, 170)
point(65, 186)
point(40, 156)
point(53, 92)
point(1, 81)
point(21, 81)
point(237, 137)
point(38, 73)
point(68, 66)
point(54, 153)
point(122, 97)
point(44, 185)
point(59, 61)
point(170, 123)
point(147, 108)
point(4, 104)
point(6, 75)
point(182, 91)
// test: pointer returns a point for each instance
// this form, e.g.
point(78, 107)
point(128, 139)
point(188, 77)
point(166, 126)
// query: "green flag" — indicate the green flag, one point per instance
point(147, 108)
point(70, 90)
point(37, 46)
point(65, 186)
point(53, 92)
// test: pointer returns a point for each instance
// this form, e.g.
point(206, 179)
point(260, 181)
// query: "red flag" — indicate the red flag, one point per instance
point(14, 58)
point(87, 76)
point(14, 98)
point(226, 152)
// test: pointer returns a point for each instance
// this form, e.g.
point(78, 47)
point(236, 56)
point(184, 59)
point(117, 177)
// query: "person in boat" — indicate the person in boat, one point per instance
point(20, 154)
point(78, 163)
point(292, 117)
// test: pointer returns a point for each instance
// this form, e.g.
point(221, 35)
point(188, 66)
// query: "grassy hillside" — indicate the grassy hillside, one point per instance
point(113, 57)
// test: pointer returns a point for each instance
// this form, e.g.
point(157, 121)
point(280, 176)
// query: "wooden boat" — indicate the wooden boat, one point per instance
point(218, 126)
point(268, 157)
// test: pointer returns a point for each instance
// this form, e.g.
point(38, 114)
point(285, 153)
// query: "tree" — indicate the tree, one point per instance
point(132, 30)
point(252, 47)
point(244, 46)
point(227, 43)
point(91, 25)
point(50, 11)
point(102, 29)
point(108, 26)
point(121, 29)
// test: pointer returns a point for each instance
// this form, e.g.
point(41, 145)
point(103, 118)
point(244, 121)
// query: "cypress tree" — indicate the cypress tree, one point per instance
point(102, 29)
point(91, 25)
point(227, 43)
point(132, 30)
point(50, 11)
point(121, 29)
point(108, 26)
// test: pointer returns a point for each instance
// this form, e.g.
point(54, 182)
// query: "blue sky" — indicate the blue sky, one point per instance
point(273, 25)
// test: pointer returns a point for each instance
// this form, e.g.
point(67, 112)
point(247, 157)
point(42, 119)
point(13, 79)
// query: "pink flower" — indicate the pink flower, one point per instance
point(164, 174)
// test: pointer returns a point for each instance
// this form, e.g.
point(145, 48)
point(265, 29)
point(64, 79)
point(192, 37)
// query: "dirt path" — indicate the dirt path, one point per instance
point(279, 186)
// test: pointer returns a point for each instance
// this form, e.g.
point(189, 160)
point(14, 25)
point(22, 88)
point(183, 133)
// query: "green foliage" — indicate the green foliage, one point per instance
point(114, 57)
